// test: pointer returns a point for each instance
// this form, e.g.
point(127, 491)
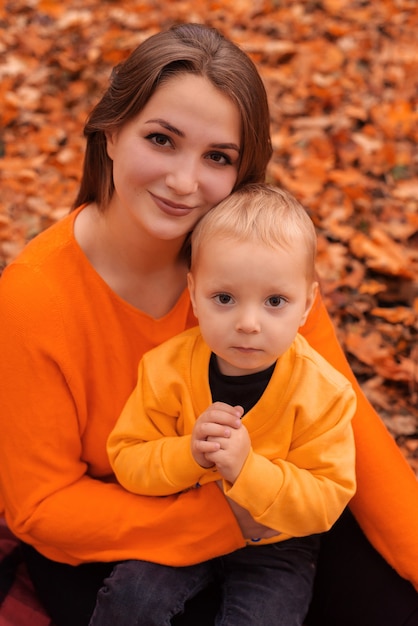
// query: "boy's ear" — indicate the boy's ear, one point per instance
point(310, 299)
point(191, 286)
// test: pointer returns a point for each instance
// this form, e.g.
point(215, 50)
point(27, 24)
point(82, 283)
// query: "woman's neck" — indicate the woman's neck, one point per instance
point(147, 273)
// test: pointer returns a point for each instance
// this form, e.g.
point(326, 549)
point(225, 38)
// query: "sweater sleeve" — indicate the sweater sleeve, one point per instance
point(52, 501)
point(386, 501)
point(305, 492)
point(149, 453)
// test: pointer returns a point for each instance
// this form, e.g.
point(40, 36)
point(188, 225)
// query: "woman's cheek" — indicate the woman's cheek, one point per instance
point(222, 189)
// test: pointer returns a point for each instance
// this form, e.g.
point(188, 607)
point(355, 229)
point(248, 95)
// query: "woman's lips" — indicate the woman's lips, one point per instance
point(171, 208)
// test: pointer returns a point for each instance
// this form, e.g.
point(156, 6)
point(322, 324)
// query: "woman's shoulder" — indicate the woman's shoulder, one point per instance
point(47, 244)
point(42, 268)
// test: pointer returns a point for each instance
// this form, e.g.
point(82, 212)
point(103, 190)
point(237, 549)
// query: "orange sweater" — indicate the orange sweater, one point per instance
point(69, 354)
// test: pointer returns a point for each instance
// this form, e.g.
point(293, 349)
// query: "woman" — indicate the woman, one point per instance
point(183, 123)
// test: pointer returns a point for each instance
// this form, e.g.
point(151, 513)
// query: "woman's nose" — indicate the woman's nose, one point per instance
point(183, 177)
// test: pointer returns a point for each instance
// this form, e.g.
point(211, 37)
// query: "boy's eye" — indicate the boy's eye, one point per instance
point(276, 301)
point(223, 298)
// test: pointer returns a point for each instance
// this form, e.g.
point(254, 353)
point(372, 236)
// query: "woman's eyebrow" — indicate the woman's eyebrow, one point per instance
point(226, 146)
point(180, 133)
point(167, 126)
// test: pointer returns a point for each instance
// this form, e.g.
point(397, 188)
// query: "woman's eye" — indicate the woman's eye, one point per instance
point(220, 158)
point(223, 298)
point(159, 139)
point(276, 301)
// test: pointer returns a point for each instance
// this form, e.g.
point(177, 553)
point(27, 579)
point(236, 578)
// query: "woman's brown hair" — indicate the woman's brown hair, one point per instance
point(184, 48)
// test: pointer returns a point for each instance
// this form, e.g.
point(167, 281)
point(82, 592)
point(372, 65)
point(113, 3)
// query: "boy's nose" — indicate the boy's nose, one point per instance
point(248, 322)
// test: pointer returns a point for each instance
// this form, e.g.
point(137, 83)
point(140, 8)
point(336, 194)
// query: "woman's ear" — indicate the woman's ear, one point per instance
point(191, 286)
point(310, 299)
point(110, 144)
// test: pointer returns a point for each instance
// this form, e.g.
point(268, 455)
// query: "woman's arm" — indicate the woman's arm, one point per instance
point(386, 501)
point(53, 469)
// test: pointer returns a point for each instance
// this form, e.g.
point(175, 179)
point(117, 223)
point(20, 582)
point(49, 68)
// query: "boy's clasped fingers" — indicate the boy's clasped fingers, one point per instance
point(214, 425)
point(223, 414)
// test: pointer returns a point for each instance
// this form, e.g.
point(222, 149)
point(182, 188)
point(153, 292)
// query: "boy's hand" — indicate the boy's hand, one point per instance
point(231, 453)
point(215, 425)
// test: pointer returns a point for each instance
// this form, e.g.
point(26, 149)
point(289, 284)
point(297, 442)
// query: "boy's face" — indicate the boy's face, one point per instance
point(250, 300)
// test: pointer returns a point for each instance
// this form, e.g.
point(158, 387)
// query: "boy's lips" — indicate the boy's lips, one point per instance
point(246, 350)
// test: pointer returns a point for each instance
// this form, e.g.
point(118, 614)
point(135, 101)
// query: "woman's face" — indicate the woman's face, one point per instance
point(177, 158)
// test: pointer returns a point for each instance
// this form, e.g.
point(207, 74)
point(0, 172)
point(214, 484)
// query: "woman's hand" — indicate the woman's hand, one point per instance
point(249, 527)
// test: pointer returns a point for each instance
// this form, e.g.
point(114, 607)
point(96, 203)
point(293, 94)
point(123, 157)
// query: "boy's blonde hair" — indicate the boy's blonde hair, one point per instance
point(261, 213)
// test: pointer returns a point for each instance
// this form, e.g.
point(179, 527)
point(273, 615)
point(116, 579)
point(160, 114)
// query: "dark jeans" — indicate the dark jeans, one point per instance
point(268, 585)
point(354, 586)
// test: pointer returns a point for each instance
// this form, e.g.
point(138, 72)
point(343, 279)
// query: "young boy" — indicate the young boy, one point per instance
point(243, 400)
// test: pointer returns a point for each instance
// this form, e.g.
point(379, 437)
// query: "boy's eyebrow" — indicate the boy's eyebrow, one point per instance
point(179, 133)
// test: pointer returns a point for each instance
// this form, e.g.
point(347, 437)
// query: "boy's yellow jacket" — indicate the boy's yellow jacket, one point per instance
point(299, 474)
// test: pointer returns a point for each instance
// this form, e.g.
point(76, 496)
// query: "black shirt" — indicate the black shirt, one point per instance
point(244, 390)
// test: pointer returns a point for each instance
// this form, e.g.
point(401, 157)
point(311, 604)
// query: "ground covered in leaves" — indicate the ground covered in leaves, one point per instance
point(342, 79)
